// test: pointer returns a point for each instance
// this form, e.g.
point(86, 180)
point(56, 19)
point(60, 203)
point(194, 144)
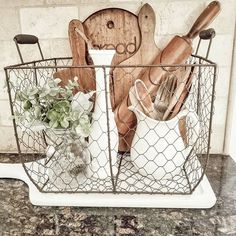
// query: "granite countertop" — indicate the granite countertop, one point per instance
point(19, 217)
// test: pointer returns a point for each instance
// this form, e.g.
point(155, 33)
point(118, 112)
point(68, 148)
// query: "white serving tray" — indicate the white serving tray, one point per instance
point(202, 197)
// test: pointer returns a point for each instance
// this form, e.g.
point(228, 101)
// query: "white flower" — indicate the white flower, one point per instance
point(57, 80)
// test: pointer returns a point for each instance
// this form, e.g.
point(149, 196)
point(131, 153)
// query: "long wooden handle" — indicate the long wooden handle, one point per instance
point(77, 43)
point(84, 37)
point(206, 17)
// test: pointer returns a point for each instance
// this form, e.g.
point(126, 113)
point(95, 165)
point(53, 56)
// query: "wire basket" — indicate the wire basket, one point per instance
point(153, 162)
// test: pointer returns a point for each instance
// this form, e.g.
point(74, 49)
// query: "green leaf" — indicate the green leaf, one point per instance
point(19, 97)
point(53, 115)
point(37, 110)
point(27, 105)
point(54, 92)
point(62, 106)
point(64, 123)
point(32, 91)
point(53, 124)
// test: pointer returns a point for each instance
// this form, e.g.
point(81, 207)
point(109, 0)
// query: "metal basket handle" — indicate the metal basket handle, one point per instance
point(26, 39)
point(208, 34)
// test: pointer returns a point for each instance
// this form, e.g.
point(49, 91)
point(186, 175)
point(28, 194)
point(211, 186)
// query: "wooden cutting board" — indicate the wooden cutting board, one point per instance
point(108, 28)
point(78, 48)
point(123, 78)
point(114, 28)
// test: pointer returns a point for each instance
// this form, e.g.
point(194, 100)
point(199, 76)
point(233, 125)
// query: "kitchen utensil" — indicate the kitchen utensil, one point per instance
point(145, 100)
point(157, 151)
point(156, 111)
point(176, 52)
point(164, 93)
point(78, 48)
point(179, 103)
point(184, 94)
point(114, 28)
point(181, 82)
point(84, 37)
point(208, 34)
point(124, 77)
point(134, 100)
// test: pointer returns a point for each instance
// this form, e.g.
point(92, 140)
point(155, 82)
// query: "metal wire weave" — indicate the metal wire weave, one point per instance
point(63, 172)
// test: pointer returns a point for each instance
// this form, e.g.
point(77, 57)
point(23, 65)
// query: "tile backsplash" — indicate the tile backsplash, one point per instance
point(48, 19)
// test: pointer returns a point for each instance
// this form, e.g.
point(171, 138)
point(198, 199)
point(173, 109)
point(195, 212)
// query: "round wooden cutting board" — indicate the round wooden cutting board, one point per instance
point(114, 28)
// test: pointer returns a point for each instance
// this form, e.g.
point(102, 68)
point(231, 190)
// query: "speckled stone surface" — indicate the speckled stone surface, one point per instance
point(19, 217)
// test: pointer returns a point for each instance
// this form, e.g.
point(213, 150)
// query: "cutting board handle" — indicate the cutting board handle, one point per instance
point(206, 17)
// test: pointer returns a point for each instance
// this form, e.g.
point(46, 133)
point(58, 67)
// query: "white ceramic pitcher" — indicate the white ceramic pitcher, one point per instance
point(102, 115)
point(158, 150)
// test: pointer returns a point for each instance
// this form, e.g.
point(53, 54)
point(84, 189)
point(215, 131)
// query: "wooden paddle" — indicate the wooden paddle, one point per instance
point(78, 48)
point(114, 28)
point(123, 78)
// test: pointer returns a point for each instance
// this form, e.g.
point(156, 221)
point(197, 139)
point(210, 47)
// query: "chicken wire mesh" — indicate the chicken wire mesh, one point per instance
point(166, 153)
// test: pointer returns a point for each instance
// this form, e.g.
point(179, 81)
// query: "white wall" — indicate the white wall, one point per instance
point(48, 19)
point(230, 141)
point(232, 137)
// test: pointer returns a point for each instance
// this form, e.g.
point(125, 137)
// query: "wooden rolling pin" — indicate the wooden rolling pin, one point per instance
point(176, 52)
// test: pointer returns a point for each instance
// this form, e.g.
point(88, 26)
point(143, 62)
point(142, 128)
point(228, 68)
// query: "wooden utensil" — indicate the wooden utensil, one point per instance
point(125, 141)
point(123, 78)
point(78, 47)
point(184, 94)
point(176, 52)
point(145, 100)
point(179, 104)
point(182, 79)
point(134, 100)
point(164, 94)
point(114, 28)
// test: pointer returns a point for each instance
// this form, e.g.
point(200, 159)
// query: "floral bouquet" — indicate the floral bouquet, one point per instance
point(64, 117)
point(55, 107)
